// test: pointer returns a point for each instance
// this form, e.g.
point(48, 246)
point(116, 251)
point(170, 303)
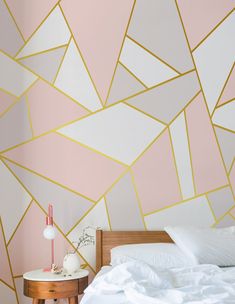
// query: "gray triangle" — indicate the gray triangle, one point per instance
point(227, 144)
point(10, 39)
point(221, 201)
point(124, 85)
point(15, 126)
point(166, 101)
point(156, 25)
point(45, 64)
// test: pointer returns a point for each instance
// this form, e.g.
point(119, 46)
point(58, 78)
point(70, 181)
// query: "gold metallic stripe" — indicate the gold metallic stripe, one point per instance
point(154, 55)
point(212, 30)
point(120, 51)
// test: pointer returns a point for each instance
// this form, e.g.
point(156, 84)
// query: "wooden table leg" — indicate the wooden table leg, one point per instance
point(38, 301)
point(73, 300)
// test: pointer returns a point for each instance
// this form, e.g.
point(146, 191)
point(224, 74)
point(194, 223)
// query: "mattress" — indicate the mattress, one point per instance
point(120, 297)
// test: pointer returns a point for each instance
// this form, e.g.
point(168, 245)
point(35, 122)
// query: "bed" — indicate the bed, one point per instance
point(136, 282)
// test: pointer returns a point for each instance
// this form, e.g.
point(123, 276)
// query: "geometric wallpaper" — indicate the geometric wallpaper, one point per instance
point(119, 112)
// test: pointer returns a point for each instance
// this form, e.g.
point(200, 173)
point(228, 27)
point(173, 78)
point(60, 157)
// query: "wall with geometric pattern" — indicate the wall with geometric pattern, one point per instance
point(119, 112)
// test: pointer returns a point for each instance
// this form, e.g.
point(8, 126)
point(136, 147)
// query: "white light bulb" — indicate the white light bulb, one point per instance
point(49, 232)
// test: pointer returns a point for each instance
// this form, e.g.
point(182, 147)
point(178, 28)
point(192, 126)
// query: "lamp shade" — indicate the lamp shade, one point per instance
point(49, 232)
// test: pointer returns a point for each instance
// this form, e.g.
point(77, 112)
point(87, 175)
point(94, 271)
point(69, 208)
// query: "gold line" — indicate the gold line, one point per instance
point(42, 52)
point(13, 18)
point(222, 91)
point(9, 286)
point(29, 114)
point(92, 149)
point(84, 62)
point(9, 260)
point(47, 178)
point(164, 123)
point(22, 217)
point(61, 231)
point(157, 85)
point(39, 77)
point(231, 167)
point(57, 128)
point(221, 154)
point(154, 55)
point(138, 198)
point(62, 60)
point(78, 119)
point(81, 218)
point(35, 200)
point(120, 51)
point(210, 205)
point(223, 216)
point(225, 103)
point(107, 212)
point(129, 71)
point(114, 183)
point(44, 19)
point(226, 129)
point(9, 108)
point(212, 31)
point(8, 93)
point(185, 200)
point(232, 215)
point(147, 147)
point(175, 164)
point(18, 276)
point(163, 130)
point(141, 111)
point(190, 154)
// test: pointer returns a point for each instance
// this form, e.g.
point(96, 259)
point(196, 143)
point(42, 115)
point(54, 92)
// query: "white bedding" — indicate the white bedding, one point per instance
point(136, 283)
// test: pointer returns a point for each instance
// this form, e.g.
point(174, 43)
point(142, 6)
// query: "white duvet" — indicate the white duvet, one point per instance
point(140, 283)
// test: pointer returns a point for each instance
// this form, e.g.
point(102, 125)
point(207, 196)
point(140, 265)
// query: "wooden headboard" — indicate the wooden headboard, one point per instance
point(106, 240)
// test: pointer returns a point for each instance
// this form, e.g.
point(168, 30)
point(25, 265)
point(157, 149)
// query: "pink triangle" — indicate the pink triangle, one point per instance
point(5, 101)
point(68, 163)
point(200, 17)
point(207, 163)
point(229, 90)
point(50, 109)
point(30, 13)
point(99, 29)
point(5, 271)
point(155, 176)
point(29, 249)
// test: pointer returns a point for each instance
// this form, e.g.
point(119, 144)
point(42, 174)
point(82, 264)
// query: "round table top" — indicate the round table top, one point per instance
point(47, 276)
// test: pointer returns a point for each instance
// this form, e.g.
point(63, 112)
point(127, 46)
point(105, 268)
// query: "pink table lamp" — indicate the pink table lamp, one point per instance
point(49, 233)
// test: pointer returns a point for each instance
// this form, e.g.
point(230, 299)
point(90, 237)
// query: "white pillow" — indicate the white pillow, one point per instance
point(164, 255)
point(206, 245)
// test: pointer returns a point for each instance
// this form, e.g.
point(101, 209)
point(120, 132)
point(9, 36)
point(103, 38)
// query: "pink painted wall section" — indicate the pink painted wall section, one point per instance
point(68, 163)
point(52, 107)
point(157, 164)
point(208, 168)
point(102, 111)
point(200, 17)
point(99, 28)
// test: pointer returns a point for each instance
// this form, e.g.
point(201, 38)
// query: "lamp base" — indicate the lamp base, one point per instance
point(47, 269)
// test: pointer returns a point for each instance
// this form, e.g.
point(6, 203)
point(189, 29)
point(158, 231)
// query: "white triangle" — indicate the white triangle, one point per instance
point(214, 59)
point(14, 200)
point(114, 130)
point(52, 33)
point(74, 80)
point(150, 70)
point(97, 217)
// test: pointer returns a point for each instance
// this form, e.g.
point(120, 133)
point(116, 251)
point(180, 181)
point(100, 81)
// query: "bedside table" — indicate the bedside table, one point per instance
point(41, 286)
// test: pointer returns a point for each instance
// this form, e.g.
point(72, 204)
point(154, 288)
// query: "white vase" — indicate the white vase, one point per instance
point(71, 263)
